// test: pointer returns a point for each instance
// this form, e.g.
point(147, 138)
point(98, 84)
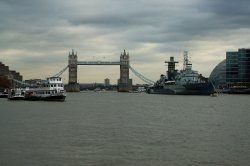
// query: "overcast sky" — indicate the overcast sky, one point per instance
point(37, 35)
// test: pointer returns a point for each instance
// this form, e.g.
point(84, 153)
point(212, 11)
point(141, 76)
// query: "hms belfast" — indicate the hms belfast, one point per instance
point(183, 82)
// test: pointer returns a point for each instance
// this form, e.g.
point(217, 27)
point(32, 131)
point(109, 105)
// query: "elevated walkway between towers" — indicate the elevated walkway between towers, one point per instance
point(98, 63)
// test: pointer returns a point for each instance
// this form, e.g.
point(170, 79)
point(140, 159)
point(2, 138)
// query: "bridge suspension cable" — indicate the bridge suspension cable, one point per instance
point(19, 82)
point(61, 72)
point(27, 84)
point(143, 78)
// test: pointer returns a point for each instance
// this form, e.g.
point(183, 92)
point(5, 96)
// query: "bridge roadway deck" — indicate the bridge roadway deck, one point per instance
point(98, 63)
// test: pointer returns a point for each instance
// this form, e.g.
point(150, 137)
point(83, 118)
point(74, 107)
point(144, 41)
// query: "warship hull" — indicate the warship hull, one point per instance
point(187, 89)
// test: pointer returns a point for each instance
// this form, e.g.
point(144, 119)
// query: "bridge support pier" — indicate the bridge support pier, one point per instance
point(124, 83)
point(73, 86)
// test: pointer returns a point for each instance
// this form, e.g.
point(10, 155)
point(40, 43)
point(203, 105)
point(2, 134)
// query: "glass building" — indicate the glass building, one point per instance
point(232, 67)
point(238, 66)
point(218, 75)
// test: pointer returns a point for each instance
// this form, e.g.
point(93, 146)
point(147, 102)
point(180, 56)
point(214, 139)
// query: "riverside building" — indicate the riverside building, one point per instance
point(238, 67)
point(7, 76)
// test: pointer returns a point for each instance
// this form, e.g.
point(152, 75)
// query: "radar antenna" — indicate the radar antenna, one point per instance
point(186, 60)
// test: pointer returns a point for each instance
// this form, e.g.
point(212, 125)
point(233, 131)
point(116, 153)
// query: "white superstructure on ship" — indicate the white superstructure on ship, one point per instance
point(50, 89)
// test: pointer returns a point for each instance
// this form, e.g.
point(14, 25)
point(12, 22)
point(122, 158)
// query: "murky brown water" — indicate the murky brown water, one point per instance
point(125, 129)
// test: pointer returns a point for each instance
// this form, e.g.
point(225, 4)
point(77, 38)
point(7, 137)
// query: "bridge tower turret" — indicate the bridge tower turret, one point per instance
point(124, 83)
point(73, 86)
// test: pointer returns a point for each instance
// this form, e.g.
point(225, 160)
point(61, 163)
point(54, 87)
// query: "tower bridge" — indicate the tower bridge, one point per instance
point(124, 82)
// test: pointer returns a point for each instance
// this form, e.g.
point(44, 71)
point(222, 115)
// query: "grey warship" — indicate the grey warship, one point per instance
point(183, 82)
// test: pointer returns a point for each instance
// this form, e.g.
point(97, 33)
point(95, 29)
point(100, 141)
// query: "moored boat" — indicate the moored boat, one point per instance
point(16, 94)
point(51, 89)
point(140, 90)
point(183, 82)
point(4, 94)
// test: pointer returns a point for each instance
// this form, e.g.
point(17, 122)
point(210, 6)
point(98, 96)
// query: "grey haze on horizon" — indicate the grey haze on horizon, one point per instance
point(36, 36)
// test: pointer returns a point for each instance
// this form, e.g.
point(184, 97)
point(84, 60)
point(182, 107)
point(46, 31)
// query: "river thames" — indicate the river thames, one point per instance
point(126, 129)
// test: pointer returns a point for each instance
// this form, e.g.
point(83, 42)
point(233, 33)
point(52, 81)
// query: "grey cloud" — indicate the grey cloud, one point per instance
point(227, 8)
point(116, 20)
point(106, 27)
point(228, 13)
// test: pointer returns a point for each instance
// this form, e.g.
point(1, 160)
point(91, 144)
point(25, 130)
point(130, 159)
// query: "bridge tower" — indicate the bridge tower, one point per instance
point(124, 83)
point(73, 86)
